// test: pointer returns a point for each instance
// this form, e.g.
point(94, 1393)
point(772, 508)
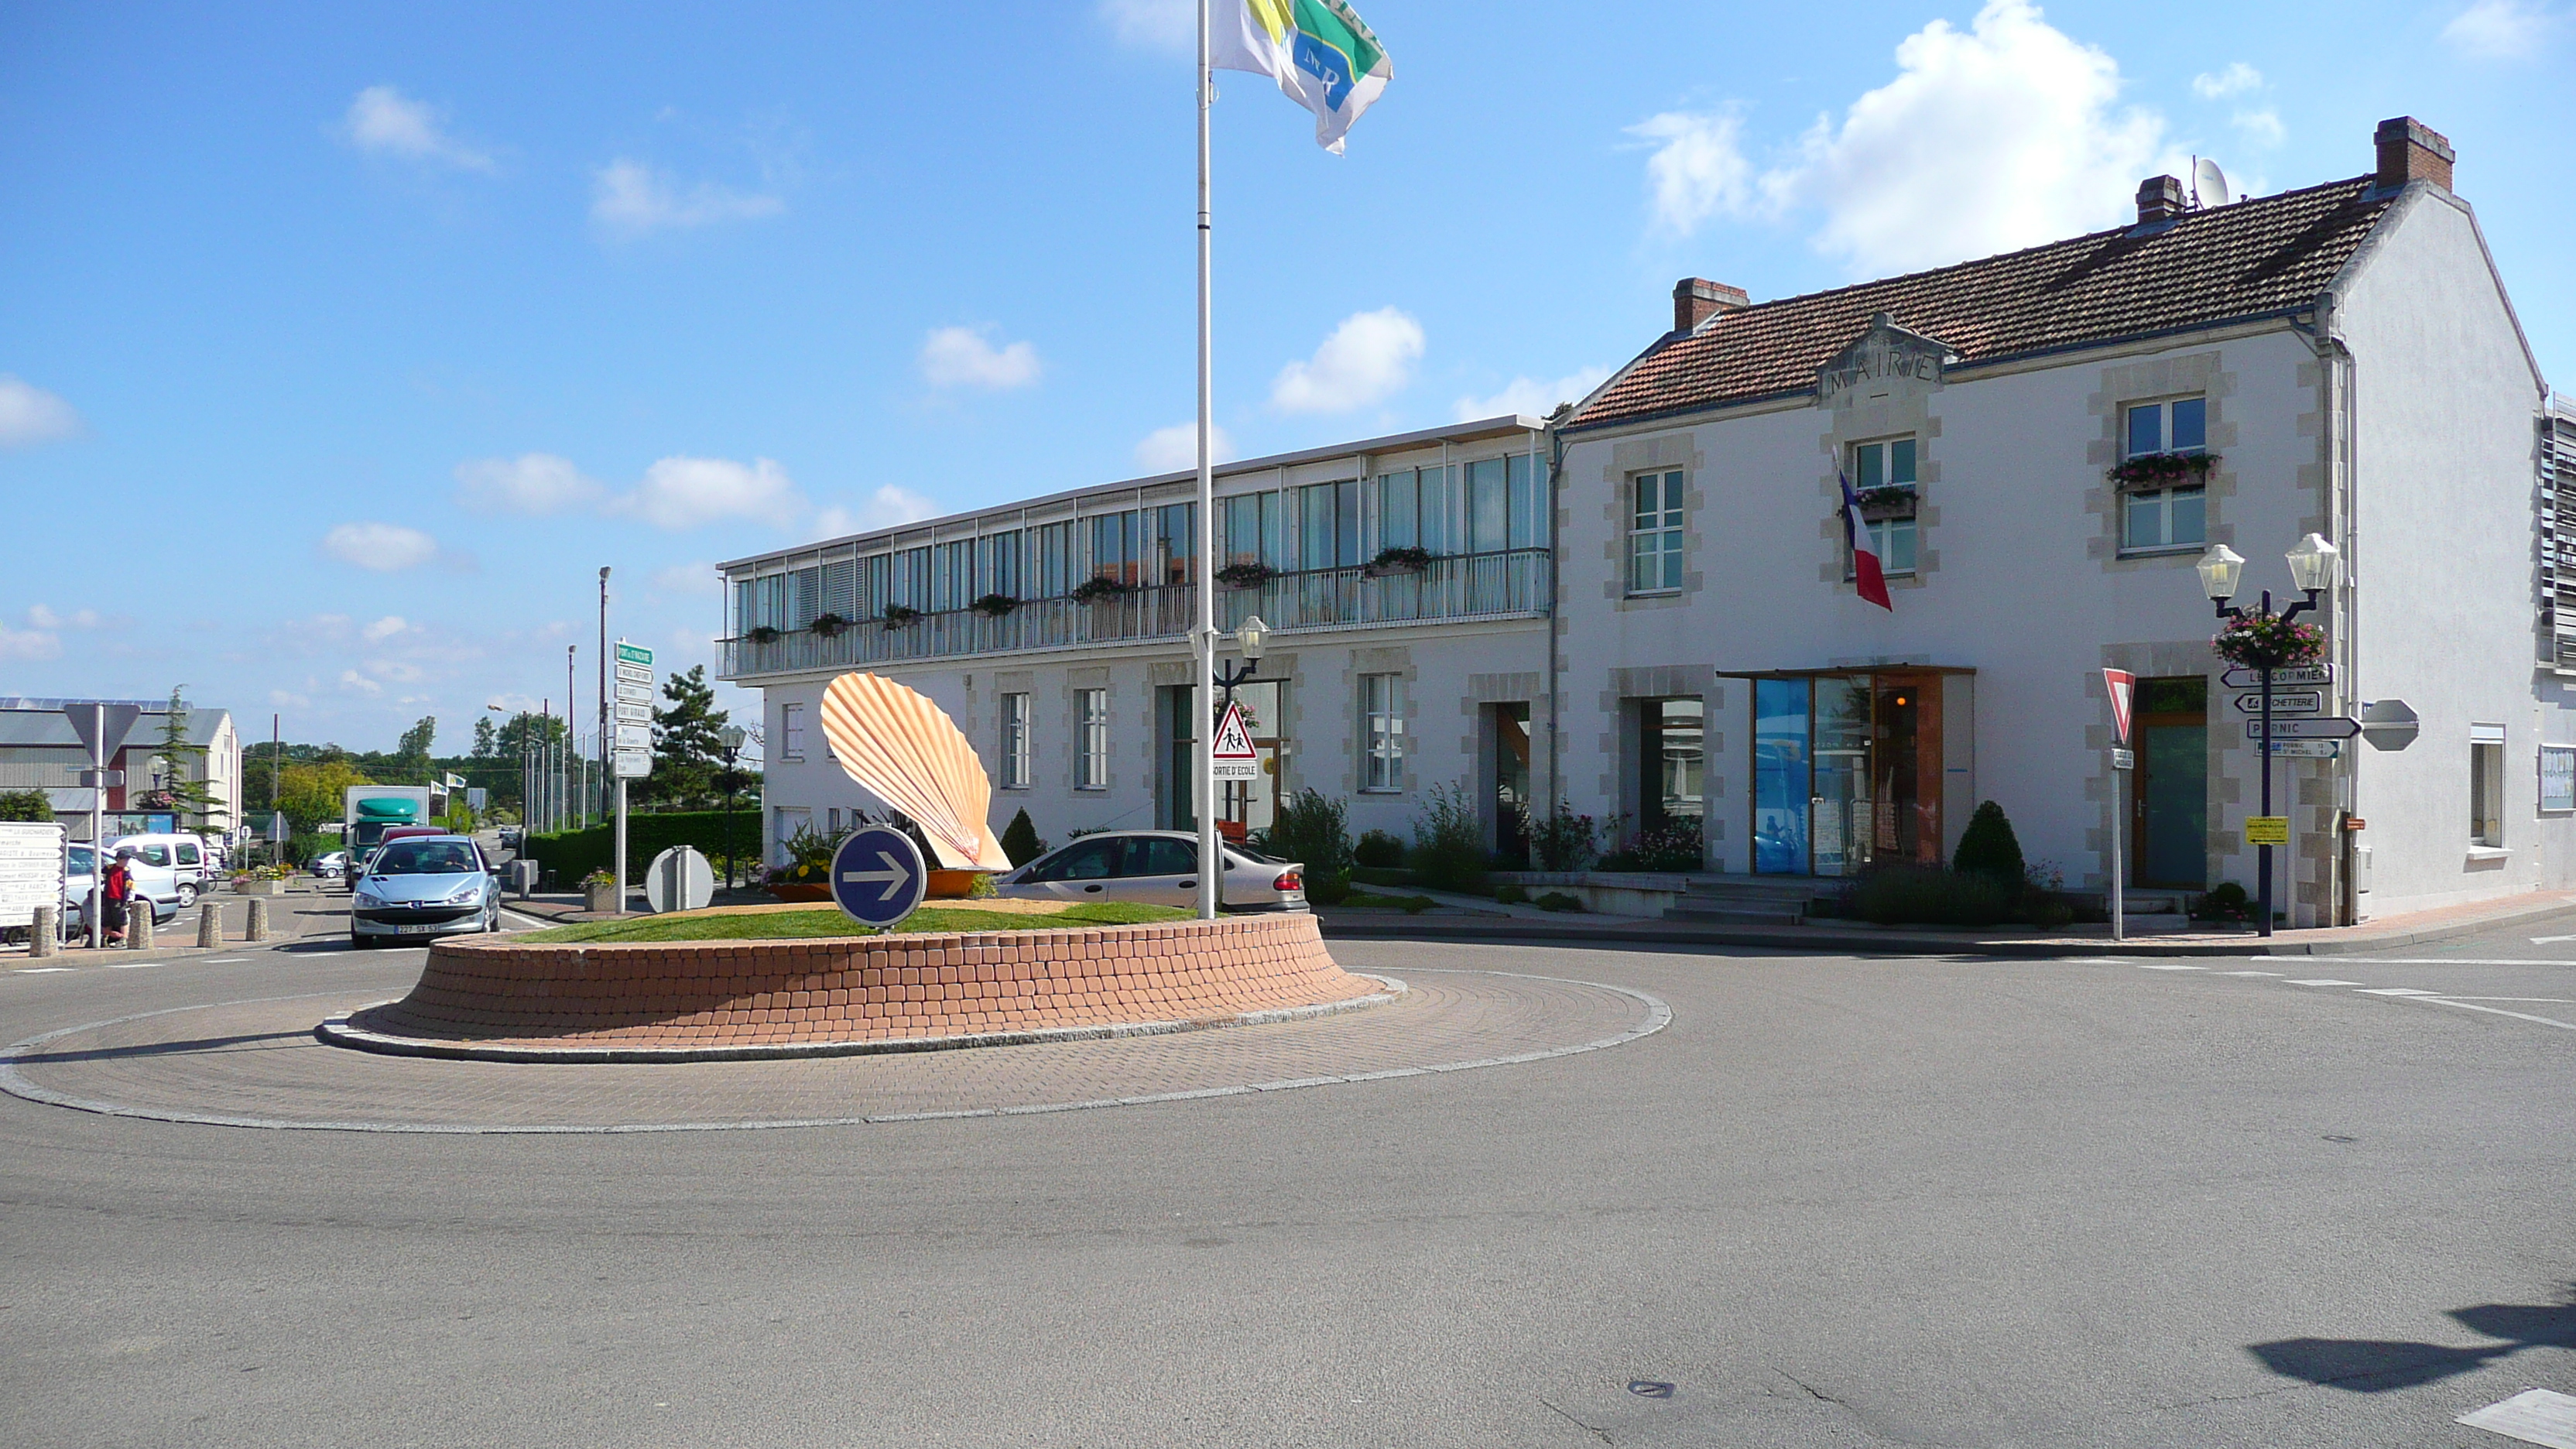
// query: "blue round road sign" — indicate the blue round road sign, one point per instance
point(878, 877)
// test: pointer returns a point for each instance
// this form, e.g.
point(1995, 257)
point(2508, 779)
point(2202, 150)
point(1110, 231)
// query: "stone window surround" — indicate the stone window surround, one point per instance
point(2161, 379)
point(1654, 453)
point(1395, 659)
point(1909, 414)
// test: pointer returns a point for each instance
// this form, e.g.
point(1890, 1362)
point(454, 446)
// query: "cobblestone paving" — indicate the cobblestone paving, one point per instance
point(256, 1063)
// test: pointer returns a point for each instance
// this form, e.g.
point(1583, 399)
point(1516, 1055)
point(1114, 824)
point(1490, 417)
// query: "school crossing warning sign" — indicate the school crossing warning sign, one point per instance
point(1235, 757)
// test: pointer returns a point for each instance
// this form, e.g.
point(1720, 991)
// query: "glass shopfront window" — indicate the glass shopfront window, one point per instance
point(1846, 772)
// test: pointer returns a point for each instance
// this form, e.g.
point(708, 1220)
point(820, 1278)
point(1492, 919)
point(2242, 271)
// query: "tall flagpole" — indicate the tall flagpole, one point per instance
point(1203, 693)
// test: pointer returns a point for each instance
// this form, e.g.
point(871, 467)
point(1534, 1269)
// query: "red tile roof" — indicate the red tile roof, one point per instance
point(2257, 256)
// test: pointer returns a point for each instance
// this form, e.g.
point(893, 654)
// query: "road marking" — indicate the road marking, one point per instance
point(2460, 961)
point(2498, 1011)
point(39, 970)
point(2165, 966)
point(130, 965)
point(533, 922)
point(2321, 981)
point(223, 960)
point(2533, 1000)
point(2395, 991)
point(2550, 940)
point(2534, 1416)
point(2249, 973)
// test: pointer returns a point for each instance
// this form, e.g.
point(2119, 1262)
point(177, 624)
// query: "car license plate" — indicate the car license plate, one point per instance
point(424, 928)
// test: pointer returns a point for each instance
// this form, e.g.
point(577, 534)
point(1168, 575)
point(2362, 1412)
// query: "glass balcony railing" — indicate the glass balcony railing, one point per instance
point(1458, 586)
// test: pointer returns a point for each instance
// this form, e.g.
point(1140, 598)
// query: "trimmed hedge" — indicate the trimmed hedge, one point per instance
point(572, 854)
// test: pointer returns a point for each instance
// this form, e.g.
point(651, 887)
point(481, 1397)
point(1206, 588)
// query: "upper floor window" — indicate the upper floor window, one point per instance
point(2175, 514)
point(1884, 476)
point(1655, 533)
point(1414, 508)
point(1252, 528)
point(1888, 464)
point(1328, 525)
point(1015, 741)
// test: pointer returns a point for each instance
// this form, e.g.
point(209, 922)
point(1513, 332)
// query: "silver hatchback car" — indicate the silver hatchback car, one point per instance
point(1157, 868)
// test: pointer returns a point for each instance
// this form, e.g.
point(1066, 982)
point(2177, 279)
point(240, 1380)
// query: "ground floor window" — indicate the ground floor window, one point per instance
point(1672, 761)
point(1381, 731)
point(1847, 772)
point(1015, 741)
point(1093, 707)
point(2486, 785)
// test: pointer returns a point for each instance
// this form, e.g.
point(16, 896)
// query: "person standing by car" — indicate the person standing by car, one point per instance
point(115, 889)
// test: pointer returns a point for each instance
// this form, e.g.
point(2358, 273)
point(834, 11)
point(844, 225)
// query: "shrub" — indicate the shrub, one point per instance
point(1328, 890)
point(1927, 895)
point(1449, 841)
point(29, 805)
point(1671, 846)
point(1378, 848)
point(1020, 840)
point(1561, 839)
point(1312, 831)
point(2225, 901)
point(570, 854)
point(1559, 901)
point(1381, 875)
point(1511, 893)
point(1989, 848)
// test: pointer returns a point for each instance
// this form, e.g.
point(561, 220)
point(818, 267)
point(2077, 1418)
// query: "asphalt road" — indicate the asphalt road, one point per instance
point(1932, 1201)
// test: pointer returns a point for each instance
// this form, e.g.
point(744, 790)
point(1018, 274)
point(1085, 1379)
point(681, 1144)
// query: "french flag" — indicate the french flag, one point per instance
point(1866, 573)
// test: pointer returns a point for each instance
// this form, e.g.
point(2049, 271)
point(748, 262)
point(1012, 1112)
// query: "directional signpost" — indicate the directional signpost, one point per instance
point(878, 877)
point(2293, 674)
point(634, 667)
point(2334, 727)
point(2293, 701)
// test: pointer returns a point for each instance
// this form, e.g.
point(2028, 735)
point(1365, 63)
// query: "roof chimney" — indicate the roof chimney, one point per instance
point(2409, 150)
point(1696, 299)
point(2160, 199)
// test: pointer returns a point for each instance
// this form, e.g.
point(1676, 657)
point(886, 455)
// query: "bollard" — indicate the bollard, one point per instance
point(44, 937)
point(210, 924)
point(138, 924)
point(257, 929)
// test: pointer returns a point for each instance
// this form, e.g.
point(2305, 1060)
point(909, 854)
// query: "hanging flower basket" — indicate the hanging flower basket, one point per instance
point(1100, 589)
point(2268, 641)
point(898, 615)
point(1888, 500)
point(761, 634)
point(994, 606)
point(1246, 575)
point(2161, 470)
point(827, 625)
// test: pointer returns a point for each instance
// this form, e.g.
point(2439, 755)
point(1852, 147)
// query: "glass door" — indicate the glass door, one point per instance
point(1844, 812)
point(1511, 781)
point(1782, 778)
point(2169, 799)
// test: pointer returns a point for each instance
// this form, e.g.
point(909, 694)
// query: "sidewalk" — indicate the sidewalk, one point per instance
point(315, 911)
point(1486, 920)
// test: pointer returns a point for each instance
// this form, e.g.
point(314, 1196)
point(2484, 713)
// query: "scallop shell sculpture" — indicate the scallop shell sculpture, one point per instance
point(907, 752)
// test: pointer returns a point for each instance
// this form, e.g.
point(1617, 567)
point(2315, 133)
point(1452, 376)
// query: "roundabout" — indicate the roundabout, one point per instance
point(257, 1063)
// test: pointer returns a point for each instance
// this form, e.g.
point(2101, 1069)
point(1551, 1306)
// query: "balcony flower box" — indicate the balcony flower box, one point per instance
point(994, 606)
point(898, 615)
point(1246, 575)
point(2163, 470)
point(1892, 500)
point(761, 634)
point(1100, 589)
point(826, 626)
point(1399, 559)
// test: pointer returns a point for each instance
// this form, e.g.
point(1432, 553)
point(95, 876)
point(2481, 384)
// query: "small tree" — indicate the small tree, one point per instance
point(187, 797)
point(688, 745)
point(33, 806)
point(1020, 840)
point(1989, 848)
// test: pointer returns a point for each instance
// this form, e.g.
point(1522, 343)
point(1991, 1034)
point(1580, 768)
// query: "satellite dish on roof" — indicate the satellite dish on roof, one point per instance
point(2208, 184)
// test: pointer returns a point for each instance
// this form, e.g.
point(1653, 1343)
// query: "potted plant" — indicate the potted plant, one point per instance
point(267, 880)
point(1401, 558)
point(807, 873)
point(898, 615)
point(828, 624)
point(2159, 470)
point(1100, 589)
point(994, 606)
point(1246, 575)
point(599, 894)
point(2268, 641)
point(761, 634)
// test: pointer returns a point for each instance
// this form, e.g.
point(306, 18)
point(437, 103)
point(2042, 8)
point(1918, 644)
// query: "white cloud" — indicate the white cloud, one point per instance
point(959, 356)
point(1158, 24)
point(2500, 29)
point(1368, 358)
point(686, 492)
point(630, 198)
point(2001, 136)
point(30, 415)
point(382, 547)
point(288, 699)
point(357, 683)
point(384, 628)
point(2262, 129)
point(1532, 397)
point(387, 122)
point(29, 643)
point(534, 483)
point(2236, 80)
point(1169, 450)
point(44, 618)
point(1697, 171)
point(888, 507)
point(688, 579)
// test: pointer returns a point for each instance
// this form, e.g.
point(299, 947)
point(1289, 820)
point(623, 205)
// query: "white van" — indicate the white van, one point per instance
point(184, 856)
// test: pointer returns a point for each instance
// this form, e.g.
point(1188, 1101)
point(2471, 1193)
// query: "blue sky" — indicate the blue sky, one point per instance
point(341, 345)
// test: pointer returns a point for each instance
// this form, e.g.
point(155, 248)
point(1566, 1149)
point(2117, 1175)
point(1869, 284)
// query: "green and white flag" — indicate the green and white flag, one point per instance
point(1321, 53)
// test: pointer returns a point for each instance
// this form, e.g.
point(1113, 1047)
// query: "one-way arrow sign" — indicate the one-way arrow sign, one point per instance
point(878, 877)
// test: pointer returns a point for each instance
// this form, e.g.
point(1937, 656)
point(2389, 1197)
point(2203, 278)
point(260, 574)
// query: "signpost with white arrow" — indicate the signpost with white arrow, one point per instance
point(878, 877)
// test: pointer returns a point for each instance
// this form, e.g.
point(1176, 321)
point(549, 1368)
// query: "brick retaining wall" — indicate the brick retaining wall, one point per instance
point(875, 988)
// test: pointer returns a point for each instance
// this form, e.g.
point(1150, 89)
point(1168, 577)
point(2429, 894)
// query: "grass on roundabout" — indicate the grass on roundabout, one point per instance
point(828, 921)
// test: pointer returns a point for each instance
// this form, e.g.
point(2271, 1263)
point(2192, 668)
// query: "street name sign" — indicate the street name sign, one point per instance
point(635, 691)
point(634, 654)
point(878, 877)
point(632, 764)
point(2294, 674)
point(2333, 728)
point(2267, 830)
point(1236, 759)
point(2285, 701)
point(634, 737)
point(630, 712)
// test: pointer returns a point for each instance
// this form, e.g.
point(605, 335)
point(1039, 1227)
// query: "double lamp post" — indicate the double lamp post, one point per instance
point(2312, 568)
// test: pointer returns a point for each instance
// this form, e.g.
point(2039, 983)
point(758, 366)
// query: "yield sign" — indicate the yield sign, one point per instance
point(2123, 687)
point(103, 727)
point(1236, 759)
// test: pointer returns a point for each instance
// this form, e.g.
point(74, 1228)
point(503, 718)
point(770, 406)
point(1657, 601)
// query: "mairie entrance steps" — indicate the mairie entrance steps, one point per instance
point(1748, 900)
